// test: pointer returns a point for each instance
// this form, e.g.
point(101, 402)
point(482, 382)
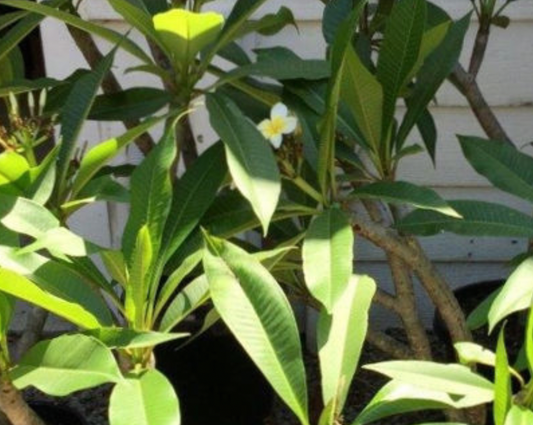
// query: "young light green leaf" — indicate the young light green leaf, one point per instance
point(480, 316)
point(479, 219)
point(449, 378)
point(193, 296)
point(256, 310)
point(7, 305)
point(503, 392)
point(516, 295)
point(185, 33)
point(14, 173)
point(340, 337)
point(399, 192)
point(470, 353)
point(249, 156)
point(66, 364)
point(519, 416)
point(327, 256)
point(144, 399)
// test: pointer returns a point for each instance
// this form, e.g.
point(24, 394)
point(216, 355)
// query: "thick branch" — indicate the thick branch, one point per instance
point(93, 56)
point(388, 345)
point(15, 408)
point(480, 47)
point(467, 85)
point(386, 300)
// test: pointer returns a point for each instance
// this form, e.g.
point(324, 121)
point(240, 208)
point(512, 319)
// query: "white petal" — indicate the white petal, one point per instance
point(276, 141)
point(290, 125)
point(263, 128)
point(279, 110)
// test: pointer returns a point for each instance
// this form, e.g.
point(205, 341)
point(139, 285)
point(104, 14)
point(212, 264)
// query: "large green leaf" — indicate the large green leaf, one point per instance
point(340, 337)
point(43, 179)
point(15, 177)
point(193, 195)
point(516, 295)
point(75, 112)
point(449, 378)
point(87, 26)
point(397, 398)
point(250, 158)
point(131, 339)
point(10, 18)
point(327, 256)
point(23, 86)
point(256, 310)
point(433, 73)
point(399, 192)
point(144, 399)
point(185, 33)
point(66, 364)
point(130, 104)
point(328, 125)
point(24, 216)
point(100, 155)
point(271, 23)
point(151, 195)
point(479, 219)
point(399, 52)
point(502, 164)
point(73, 310)
point(335, 13)
point(363, 94)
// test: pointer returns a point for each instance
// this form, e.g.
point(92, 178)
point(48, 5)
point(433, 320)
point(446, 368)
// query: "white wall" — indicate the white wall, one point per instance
point(506, 79)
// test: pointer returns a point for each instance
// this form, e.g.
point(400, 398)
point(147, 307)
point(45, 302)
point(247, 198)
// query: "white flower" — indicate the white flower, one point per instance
point(280, 123)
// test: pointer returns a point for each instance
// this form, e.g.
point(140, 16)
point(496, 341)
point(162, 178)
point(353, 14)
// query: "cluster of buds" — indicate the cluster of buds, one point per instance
point(25, 130)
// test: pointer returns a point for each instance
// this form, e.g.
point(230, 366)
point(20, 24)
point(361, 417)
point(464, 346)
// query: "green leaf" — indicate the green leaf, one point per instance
point(54, 287)
point(249, 156)
point(138, 284)
point(399, 52)
point(256, 310)
point(12, 38)
point(130, 104)
point(193, 296)
point(279, 63)
point(185, 33)
point(44, 178)
point(480, 316)
point(363, 94)
point(328, 126)
point(397, 398)
point(470, 354)
point(62, 241)
point(10, 18)
point(111, 36)
point(479, 219)
point(502, 164)
point(449, 378)
point(20, 86)
point(115, 265)
point(335, 13)
point(100, 155)
point(519, 416)
point(75, 112)
point(144, 399)
point(131, 339)
point(24, 216)
point(103, 189)
point(433, 73)
point(193, 195)
point(327, 257)
point(175, 279)
point(340, 337)
point(151, 195)
point(502, 382)
point(271, 23)
point(516, 295)
point(66, 364)
point(399, 192)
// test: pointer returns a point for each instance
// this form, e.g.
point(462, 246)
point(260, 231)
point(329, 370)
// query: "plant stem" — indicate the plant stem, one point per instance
point(13, 405)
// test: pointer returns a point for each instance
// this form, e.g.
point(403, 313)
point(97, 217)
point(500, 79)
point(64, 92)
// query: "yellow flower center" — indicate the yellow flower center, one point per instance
point(275, 127)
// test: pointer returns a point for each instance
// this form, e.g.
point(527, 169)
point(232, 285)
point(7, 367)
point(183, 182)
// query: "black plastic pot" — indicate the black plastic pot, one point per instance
point(215, 380)
point(54, 414)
